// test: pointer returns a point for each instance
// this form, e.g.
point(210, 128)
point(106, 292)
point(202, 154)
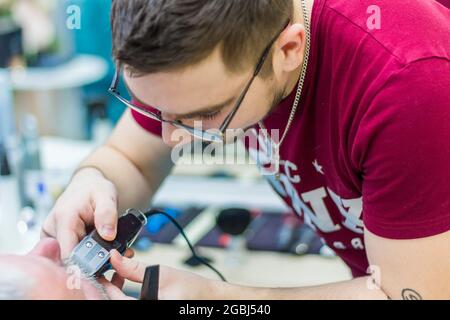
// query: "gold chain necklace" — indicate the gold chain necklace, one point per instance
point(274, 151)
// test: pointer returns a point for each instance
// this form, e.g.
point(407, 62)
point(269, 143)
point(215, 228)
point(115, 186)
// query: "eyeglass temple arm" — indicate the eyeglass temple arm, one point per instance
point(258, 69)
point(230, 117)
point(115, 80)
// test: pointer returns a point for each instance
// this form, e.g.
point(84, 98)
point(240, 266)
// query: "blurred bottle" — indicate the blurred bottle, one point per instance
point(32, 217)
point(9, 155)
point(30, 162)
point(30, 138)
point(101, 126)
point(9, 205)
point(43, 203)
point(7, 128)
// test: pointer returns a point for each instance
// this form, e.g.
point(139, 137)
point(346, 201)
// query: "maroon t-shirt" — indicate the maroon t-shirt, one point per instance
point(370, 144)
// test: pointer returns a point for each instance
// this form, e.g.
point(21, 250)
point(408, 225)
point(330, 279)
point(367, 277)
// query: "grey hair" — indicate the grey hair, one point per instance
point(70, 263)
point(14, 284)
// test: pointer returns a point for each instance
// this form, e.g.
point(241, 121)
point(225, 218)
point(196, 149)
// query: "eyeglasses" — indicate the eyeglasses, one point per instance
point(210, 135)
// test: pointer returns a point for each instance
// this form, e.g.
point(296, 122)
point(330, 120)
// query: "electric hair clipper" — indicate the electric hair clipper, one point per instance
point(92, 254)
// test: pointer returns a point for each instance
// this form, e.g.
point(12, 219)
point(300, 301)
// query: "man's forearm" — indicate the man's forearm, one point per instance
point(133, 189)
point(357, 289)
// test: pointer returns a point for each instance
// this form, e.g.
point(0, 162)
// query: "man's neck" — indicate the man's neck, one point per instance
point(298, 18)
point(298, 12)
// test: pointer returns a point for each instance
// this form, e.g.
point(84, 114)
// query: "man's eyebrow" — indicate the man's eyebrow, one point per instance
point(205, 111)
point(190, 115)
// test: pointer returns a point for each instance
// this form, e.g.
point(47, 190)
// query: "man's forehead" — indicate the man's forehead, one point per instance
point(186, 91)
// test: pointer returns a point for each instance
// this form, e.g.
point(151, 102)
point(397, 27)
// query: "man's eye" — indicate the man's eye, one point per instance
point(211, 116)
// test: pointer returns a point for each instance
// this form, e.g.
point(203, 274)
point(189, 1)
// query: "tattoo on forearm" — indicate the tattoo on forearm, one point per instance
point(410, 294)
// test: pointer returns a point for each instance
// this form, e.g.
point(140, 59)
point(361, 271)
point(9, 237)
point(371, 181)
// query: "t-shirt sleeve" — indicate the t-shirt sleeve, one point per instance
point(404, 152)
point(146, 123)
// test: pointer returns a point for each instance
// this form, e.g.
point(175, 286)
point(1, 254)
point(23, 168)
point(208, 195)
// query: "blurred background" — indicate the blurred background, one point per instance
point(55, 69)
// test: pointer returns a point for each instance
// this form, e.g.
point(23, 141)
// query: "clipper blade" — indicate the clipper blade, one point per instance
point(90, 257)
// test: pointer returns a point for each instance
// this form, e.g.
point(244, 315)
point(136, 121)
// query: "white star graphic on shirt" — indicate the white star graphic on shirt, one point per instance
point(318, 167)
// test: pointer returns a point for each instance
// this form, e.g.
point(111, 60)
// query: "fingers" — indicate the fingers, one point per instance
point(68, 241)
point(44, 234)
point(68, 230)
point(68, 238)
point(48, 230)
point(129, 253)
point(129, 269)
point(106, 216)
point(89, 200)
point(117, 280)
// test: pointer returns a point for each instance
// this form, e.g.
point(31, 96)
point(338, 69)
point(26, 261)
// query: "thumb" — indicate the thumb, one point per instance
point(126, 268)
point(106, 216)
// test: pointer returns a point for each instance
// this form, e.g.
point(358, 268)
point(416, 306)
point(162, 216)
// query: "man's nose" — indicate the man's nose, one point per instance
point(48, 248)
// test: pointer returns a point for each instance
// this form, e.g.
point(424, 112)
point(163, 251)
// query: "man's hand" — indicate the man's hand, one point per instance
point(90, 200)
point(173, 284)
point(180, 285)
point(412, 269)
point(132, 165)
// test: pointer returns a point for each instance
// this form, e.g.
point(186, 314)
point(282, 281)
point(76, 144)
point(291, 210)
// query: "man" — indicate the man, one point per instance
point(360, 93)
point(41, 275)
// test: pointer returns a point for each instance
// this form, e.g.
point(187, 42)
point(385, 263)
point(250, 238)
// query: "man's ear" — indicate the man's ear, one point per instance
point(291, 47)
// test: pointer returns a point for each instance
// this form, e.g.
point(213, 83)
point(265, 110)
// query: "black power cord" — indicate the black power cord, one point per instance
point(154, 212)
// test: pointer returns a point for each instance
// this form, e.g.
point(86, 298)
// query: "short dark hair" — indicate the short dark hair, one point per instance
point(163, 35)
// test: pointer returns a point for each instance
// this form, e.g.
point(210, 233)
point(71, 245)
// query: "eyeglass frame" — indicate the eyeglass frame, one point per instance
point(210, 135)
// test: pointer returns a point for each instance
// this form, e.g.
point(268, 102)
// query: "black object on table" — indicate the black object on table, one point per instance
point(234, 221)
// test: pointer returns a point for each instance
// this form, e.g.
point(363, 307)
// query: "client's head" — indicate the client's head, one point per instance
point(42, 275)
